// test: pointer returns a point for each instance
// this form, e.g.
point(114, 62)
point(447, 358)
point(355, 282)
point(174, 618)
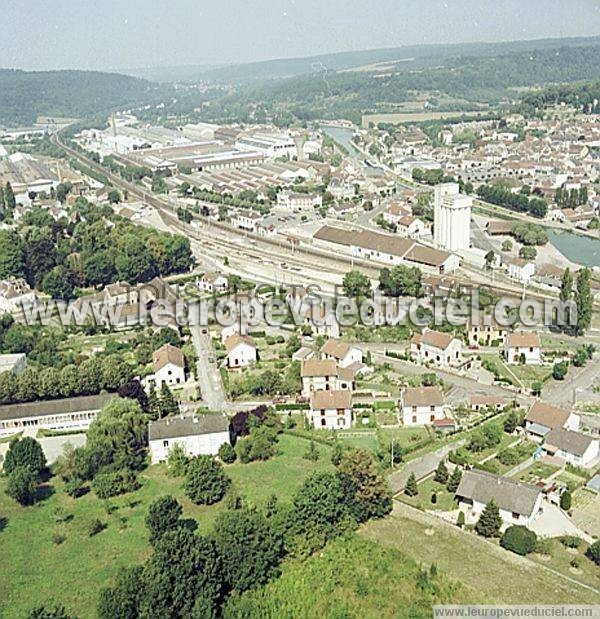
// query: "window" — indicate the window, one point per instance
point(165, 443)
point(323, 422)
point(414, 419)
point(431, 417)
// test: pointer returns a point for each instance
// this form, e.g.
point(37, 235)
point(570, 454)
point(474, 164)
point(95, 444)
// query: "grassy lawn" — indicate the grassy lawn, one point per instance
point(560, 559)
point(404, 437)
point(538, 471)
point(523, 451)
point(35, 569)
point(571, 480)
point(445, 500)
point(586, 511)
point(493, 574)
point(518, 374)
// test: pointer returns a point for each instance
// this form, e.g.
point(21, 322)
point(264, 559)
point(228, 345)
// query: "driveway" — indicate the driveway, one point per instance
point(553, 522)
point(208, 373)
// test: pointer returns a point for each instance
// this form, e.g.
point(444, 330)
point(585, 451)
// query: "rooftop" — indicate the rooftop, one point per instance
point(175, 427)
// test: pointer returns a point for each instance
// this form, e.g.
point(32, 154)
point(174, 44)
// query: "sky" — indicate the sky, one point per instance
point(127, 34)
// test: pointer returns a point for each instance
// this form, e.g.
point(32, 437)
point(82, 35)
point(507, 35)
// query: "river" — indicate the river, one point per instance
point(583, 250)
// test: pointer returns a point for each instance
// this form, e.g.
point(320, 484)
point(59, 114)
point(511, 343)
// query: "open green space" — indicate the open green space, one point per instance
point(538, 471)
point(497, 575)
point(35, 569)
point(424, 500)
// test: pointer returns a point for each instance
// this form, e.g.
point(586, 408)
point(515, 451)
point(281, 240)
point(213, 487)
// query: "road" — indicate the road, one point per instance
point(564, 393)
point(209, 376)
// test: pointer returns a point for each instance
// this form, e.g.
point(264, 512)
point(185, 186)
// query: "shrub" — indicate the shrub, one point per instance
point(519, 539)
point(311, 452)
point(58, 539)
point(206, 482)
point(565, 501)
point(113, 483)
point(21, 486)
point(227, 453)
point(570, 541)
point(74, 488)
point(411, 488)
point(593, 552)
point(96, 526)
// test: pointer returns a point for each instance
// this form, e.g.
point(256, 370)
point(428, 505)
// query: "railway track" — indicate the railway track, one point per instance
point(257, 248)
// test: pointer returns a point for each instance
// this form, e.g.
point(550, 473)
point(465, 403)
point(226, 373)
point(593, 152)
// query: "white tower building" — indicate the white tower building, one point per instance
point(451, 218)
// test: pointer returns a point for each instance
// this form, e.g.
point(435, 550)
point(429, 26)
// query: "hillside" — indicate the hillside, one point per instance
point(412, 57)
point(460, 83)
point(25, 95)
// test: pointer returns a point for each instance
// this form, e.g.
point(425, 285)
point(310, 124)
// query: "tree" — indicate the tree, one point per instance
point(153, 403)
point(490, 258)
point(584, 301)
point(559, 370)
point(163, 515)
point(519, 539)
point(454, 480)
point(12, 254)
point(22, 484)
point(489, 522)
point(227, 453)
point(441, 473)
point(318, 513)
point(367, 493)
point(507, 245)
point(58, 283)
point(512, 422)
point(249, 546)
point(182, 578)
point(122, 601)
point(411, 488)
point(356, 284)
point(565, 501)
point(593, 552)
point(25, 452)
point(566, 286)
point(311, 452)
point(167, 404)
point(460, 520)
point(527, 252)
point(400, 281)
point(205, 480)
point(114, 197)
point(9, 198)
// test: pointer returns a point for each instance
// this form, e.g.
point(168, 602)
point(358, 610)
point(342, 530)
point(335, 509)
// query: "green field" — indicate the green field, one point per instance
point(536, 472)
point(493, 574)
point(445, 500)
point(35, 569)
point(353, 577)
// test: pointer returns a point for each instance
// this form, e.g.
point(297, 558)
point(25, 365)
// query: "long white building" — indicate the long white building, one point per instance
point(451, 218)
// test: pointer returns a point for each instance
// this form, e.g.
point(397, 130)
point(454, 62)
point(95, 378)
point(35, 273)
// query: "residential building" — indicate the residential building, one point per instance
point(299, 201)
point(169, 366)
point(441, 349)
point(486, 332)
point(325, 375)
point(330, 410)
point(523, 347)
point(572, 447)
point(15, 293)
point(241, 351)
point(518, 503)
point(451, 218)
point(542, 418)
point(342, 353)
point(422, 405)
point(212, 282)
point(197, 435)
point(520, 269)
point(486, 402)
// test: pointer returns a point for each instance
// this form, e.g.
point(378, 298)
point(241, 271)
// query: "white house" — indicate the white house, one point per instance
point(169, 366)
point(573, 447)
point(441, 349)
point(331, 410)
point(299, 201)
point(212, 282)
point(246, 220)
point(15, 293)
point(422, 405)
point(342, 353)
point(518, 503)
point(411, 226)
point(520, 269)
point(323, 321)
point(197, 435)
point(14, 363)
point(325, 375)
point(523, 346)
point(241, 351)
point(541, 418)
